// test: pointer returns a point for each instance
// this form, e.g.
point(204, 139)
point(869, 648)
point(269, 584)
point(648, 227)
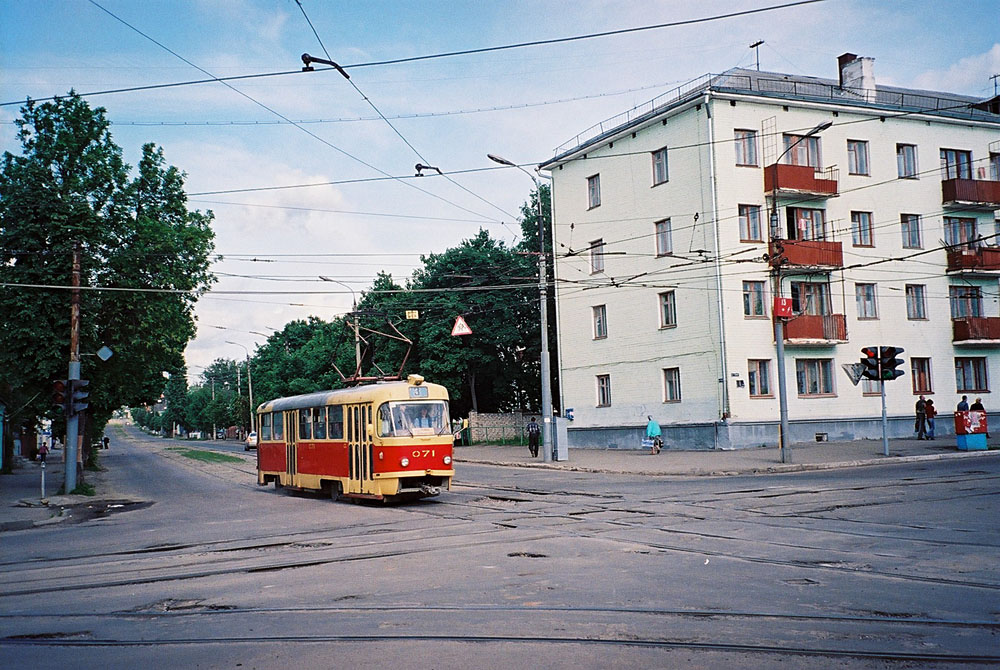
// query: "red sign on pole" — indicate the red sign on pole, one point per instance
point(783, 307)
point(461, 327)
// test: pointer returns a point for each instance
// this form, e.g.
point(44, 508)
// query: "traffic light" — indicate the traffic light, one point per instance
point(870, 361)
point(59, 394)
point(78, 393)
point(888, 362)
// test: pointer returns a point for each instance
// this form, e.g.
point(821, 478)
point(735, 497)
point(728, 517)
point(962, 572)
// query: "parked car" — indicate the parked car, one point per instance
point(250, 442)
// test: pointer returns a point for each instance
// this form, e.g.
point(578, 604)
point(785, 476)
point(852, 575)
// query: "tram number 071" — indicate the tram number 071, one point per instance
point(417, 453)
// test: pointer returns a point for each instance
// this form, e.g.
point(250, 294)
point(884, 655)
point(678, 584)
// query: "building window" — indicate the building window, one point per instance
point(801, 150)
point(759, 372)
point(861, 229)
point(753, 298)
point(912, 234)
point(672, 385)
point(870, 387)
point(867, 305)
point(916, 302)
point(814, 376)
point(594, 191)
point(965, 301)
point(750, 224)
point(600, 322)
point(970, 375)
point(960, 232)
point(920, 371)
point(857, 157)
point(664, 242)
point(906, 161)
point(596, 256)
point(668, 310)
point(994, 166)
point(806, 224)
point(604, 390)
point(746, 147)
point(956, 164)
point(660, 174)
point(811, 298)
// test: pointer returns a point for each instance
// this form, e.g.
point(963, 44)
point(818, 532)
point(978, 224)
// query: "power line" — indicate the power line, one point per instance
point(465, 52)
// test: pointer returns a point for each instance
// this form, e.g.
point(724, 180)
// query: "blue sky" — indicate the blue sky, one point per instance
point(518, 103)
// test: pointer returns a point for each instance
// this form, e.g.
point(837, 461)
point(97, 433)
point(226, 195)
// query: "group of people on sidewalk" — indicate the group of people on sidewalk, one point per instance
point(926, 412)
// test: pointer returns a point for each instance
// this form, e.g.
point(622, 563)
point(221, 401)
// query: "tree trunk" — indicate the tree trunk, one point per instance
point(472, 391)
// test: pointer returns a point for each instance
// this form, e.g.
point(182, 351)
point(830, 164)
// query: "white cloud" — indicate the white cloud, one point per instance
point(970, 75)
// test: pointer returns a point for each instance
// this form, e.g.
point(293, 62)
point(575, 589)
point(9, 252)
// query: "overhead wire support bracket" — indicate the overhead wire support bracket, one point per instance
point(309, 60)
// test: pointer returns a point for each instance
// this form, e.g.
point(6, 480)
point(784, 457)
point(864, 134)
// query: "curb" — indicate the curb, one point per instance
point(757, 470)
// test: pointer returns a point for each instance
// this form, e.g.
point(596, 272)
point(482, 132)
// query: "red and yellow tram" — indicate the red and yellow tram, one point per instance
point(385, 441)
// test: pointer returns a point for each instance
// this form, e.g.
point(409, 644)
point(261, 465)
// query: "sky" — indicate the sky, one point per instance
point(305, 178)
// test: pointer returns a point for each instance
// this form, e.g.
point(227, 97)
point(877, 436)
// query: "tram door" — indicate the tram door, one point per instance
point(359, 441)
point(291, 440)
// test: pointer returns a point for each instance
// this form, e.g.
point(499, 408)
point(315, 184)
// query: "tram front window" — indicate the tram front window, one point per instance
point(402, 419)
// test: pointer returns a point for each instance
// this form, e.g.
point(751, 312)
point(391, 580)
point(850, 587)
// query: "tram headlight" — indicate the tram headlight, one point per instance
point(447, 460)
point(404, 461)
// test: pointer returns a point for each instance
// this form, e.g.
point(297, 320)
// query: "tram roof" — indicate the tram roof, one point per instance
point(348, 395)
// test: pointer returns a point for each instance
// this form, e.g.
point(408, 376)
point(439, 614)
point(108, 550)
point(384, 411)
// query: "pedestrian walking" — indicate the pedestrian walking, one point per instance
point(931, 412)
point(43, 451)
point(653, 433)
point(919, 426)
point(533, 431)
point(963, 404)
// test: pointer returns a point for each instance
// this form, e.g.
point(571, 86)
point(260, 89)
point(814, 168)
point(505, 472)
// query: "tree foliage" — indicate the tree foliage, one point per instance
point(70, 187)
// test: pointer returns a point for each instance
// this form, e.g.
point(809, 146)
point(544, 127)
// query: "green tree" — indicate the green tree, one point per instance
point(68, 188)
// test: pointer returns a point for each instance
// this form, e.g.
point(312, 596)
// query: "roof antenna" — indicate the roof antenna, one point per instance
point(756, 47)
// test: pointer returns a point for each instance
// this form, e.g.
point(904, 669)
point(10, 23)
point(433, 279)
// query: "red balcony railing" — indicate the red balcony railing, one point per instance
point(976, 328)
point(824, 329)
point(816, 253)
point(984, 258)
point(973, 191)
point(800, 179)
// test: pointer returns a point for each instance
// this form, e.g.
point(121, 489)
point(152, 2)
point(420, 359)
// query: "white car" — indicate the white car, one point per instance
point(250, 442)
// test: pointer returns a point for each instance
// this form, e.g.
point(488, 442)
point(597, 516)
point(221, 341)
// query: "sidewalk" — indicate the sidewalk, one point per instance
point(21, 504)
point(804, 456)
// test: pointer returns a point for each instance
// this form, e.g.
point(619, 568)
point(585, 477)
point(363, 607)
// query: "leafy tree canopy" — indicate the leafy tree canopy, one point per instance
point(69, 187)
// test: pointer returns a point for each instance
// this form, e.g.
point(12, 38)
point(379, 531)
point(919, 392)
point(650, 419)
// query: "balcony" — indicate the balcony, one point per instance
point(816, 330)
point(976, 331)
point(798, 180)
point(971, 261)
point(971, 193)
point(807, 253)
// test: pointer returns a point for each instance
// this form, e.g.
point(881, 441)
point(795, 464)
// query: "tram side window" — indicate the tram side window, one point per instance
point(305, 424)
point(336, 419)
point(278, 425)
point(319, 423)
point(265, 427)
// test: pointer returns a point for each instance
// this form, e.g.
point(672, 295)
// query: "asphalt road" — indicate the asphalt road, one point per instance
point(880, 567)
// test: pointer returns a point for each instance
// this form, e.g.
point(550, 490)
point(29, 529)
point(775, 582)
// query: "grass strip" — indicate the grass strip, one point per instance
point(206, 456)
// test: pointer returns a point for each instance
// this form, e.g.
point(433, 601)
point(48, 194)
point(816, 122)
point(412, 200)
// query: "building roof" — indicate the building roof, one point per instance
point(784, 87)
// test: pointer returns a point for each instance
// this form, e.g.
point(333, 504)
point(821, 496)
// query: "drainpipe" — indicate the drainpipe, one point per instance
point(723, 370)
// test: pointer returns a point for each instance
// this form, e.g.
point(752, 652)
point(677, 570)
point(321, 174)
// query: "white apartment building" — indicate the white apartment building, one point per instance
point(677, 223)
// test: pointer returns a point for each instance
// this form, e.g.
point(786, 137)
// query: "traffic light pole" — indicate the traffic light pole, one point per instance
point(72, 419)
point(885, 421)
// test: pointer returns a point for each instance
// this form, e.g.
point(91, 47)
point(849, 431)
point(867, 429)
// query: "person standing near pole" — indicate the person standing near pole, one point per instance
point(43, 451)
point(533, 431)
point(919, 426)
point(931, 413)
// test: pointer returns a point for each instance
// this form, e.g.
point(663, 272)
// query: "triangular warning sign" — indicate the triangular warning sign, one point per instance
point(461, 327)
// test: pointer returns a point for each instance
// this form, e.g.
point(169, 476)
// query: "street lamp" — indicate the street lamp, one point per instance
point(249, 384)
point(544, 310)
point(779, 324)
point(354, 308)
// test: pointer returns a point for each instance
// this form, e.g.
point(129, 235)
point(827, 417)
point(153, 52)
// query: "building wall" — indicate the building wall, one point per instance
point(637, 349)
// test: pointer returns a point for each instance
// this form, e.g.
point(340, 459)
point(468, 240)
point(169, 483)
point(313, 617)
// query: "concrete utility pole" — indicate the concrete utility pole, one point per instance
point(544, 316)
point(779, 324)
point(72, 419)
point(249, 384)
